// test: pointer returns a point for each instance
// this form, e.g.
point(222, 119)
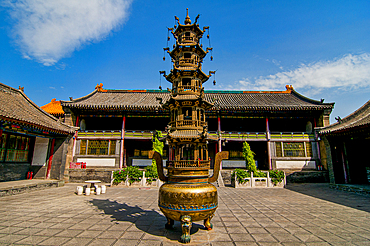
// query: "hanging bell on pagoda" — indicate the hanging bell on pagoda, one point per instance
point(214, 82)
point(168, 38)
point(164, 58)
point(211, 58)
point(208, 36)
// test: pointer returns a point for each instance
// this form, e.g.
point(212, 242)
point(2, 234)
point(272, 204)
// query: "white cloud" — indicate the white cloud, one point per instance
point(350, 72)
point(50, 30)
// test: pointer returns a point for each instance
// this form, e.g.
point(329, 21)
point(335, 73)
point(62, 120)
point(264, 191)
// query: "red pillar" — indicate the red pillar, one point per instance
point(50, 159)
point(74, 139)
point(344, 167)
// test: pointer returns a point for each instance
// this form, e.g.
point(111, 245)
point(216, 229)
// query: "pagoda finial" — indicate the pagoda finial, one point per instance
point(187, 19)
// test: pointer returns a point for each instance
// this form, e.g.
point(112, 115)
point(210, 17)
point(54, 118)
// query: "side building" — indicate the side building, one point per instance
point(116, 127)
point(33, 143)
point(347, 142)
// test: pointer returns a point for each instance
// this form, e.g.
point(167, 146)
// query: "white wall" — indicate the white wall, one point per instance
point(40, 152)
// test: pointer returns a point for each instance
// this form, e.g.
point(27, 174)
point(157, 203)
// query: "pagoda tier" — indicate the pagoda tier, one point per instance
point(187, 129)
point(180, 51)
point(187, 81)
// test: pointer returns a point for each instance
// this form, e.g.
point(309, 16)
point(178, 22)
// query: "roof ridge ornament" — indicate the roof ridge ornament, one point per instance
point(289, 88)
point(99, 87)
point(187, 19)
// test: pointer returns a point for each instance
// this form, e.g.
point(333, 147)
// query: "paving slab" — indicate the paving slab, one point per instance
point(302, 214)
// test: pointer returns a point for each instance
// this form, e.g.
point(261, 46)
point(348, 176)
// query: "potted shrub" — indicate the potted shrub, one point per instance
point(119, 176)
point(277, 178)
point(134, 176)
point(240, 178)
point(151, 174)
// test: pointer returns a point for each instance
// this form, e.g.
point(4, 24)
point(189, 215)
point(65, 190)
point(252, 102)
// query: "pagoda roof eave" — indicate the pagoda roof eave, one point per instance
point(181, 27)
point(206, 104)
point(202, 53)
point(172, 75)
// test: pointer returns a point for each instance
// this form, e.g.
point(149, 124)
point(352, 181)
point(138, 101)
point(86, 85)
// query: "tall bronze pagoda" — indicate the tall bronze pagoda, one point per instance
point(188, 194)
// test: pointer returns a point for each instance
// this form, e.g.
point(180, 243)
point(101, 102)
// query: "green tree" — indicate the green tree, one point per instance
point(248, 155)
point(157, 145)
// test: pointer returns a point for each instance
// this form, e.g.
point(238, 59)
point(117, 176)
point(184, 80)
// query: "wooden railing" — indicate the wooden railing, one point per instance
point(188, 62)
point(292, 135)
point(190, 88)
point(116, 134)
point(188, 164)
point(187, 39)
point(96, 134)
point(274, 136)
point(187, 123)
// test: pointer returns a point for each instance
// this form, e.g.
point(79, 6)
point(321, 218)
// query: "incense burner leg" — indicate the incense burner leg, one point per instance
point(207, 223)
point(185, 226)
point(169, 224)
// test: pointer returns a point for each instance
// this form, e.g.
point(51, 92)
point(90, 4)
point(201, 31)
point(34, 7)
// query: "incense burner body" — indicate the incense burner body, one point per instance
point(188, 194)
point(199, 201)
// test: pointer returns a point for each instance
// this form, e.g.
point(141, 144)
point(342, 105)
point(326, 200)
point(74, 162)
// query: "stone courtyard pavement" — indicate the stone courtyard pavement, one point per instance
point(310, 214)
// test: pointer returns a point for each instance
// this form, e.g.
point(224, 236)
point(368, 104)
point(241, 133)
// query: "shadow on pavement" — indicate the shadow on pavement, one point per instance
point(149, 221)
point(324, 192)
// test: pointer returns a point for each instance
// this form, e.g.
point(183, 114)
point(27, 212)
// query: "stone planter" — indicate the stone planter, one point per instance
point(151, 184)
point(135, 184)
point(258, 182)
point(278, 185)
point(246, 184)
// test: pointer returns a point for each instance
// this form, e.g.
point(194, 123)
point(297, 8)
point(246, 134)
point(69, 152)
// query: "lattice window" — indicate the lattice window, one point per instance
point(293, 149)
point(308, 149)
point(141, 153)
point(83, 144)
point(17, 149)
point(98, 147)
point(234, 154)
point(279, 152)
point(112, 147)
point(2, 146)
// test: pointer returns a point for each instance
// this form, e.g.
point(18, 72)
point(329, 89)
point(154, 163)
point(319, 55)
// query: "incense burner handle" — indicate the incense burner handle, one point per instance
point(216, 169)
point(159, 161)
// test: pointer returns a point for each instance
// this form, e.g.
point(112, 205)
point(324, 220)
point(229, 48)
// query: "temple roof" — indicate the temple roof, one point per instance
point(358, 119)
point(17, 108)
point(223, 100)
point(54, 107)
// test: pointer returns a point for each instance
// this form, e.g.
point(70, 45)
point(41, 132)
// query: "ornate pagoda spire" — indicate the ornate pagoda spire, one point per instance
point(187, 19)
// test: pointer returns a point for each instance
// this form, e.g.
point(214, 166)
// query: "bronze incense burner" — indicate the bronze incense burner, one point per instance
point(188, 194)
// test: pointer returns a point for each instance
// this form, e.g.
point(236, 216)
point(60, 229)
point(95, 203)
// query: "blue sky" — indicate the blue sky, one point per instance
point(63, 48)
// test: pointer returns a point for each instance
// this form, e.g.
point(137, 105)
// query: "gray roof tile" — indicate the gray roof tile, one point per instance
point(359, 118)
point(17, 107)
point(223, 100)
